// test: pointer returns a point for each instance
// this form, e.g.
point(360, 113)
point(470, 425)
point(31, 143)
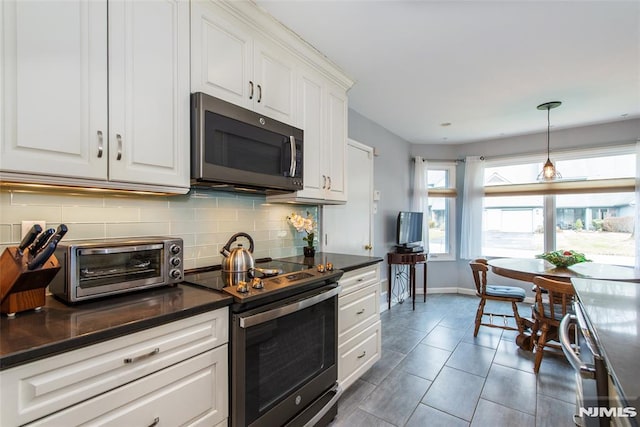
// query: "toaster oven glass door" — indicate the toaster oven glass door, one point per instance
point(107, 270)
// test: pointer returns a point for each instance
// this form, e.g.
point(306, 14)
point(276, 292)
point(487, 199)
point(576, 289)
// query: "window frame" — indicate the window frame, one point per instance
point(549, 190)
point(450, 193)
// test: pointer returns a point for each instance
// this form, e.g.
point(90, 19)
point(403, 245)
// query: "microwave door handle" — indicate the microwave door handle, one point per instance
point(292, 168)
point(578, 365)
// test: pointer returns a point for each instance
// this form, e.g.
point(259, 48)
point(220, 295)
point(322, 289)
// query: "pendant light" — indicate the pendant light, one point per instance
point(549, 172)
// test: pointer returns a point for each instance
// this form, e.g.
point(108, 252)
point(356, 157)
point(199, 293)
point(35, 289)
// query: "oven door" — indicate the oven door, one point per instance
point(284, 359)
point(100, 271)
point(592, 400)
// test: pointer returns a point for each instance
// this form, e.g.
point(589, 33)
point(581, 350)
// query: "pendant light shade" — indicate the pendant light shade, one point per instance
point(549, 171)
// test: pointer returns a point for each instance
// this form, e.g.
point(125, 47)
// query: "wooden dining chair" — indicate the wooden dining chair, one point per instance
point(554, 299)
point(486, 292)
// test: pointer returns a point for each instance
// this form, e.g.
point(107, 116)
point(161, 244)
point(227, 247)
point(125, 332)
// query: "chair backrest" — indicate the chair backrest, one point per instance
point(479, 269)
point(560, 296)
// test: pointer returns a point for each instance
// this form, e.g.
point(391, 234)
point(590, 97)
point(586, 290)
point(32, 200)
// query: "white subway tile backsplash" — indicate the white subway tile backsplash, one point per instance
point(204, 219)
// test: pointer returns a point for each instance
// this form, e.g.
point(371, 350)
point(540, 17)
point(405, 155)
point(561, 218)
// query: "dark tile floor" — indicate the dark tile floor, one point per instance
point(433, 372)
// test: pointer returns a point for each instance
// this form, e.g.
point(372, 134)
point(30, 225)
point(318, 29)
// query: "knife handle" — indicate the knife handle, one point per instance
point(29, 237)
point(41, 241)
point(42, 257)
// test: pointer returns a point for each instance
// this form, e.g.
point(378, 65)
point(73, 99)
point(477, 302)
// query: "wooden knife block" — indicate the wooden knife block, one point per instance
point(20, 288)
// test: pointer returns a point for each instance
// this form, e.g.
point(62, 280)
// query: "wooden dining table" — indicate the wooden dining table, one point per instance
point(527, 268)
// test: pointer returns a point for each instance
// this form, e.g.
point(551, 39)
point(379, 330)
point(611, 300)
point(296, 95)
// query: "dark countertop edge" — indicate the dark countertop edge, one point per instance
point(38, 353)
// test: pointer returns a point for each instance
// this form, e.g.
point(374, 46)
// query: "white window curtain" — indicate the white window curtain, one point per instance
point(637, 222)
point(420, 198)
point(472, 205)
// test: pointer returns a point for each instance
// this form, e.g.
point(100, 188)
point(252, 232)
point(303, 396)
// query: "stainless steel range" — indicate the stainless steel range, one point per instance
point(283, 344)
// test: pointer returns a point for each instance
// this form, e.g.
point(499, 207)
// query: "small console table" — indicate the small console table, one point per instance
point(398, 264)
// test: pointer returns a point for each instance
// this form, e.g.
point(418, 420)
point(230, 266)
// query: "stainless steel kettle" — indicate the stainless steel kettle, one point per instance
point(238, 259)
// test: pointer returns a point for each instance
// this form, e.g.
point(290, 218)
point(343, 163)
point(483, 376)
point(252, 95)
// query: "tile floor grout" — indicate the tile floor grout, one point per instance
point(368, 403)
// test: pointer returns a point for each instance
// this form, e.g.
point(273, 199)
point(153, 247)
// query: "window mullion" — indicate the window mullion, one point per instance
point(549, 223)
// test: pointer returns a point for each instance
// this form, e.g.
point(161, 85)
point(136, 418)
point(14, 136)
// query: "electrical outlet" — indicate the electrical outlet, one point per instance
point(26, 226)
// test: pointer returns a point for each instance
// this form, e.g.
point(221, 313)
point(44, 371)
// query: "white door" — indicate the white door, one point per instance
point(348, 228)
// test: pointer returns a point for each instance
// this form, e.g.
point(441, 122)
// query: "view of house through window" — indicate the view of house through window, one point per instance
point(599, 224)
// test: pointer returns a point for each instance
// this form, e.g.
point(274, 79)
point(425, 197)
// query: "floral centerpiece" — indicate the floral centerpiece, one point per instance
point(308, 225)
point(562, 258)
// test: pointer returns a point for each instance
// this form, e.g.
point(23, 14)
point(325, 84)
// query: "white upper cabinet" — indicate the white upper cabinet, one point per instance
point(322, 115)
point(232, 61)
point(149, 92)
point(54, 88)
point(78, 113)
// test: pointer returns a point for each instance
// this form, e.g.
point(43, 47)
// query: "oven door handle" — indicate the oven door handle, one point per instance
point(256, 319)
point(317, 417)
point(585, 370)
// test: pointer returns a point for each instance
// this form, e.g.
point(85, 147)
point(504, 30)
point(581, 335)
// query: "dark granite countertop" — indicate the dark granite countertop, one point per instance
point(57, 328)
point(342, 262)
point(613, 309)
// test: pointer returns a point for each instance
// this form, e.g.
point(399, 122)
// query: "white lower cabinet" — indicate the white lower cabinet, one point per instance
point(175, 374)
point(359, 326)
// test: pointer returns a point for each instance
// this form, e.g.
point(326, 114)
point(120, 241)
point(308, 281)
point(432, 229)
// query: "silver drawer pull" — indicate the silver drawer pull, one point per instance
point(361, 279)
point(100, 144)
point(155, 422)
point(360, 312)
point(364, 353)
point(142, 357)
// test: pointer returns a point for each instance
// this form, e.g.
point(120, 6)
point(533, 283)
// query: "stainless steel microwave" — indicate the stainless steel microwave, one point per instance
point(233, 148)
point(98, 268)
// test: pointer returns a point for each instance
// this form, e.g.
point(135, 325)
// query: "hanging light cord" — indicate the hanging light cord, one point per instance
point(548, 132)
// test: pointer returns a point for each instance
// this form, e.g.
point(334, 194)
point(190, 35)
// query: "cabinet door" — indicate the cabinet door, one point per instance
point(221, 55)
point(336, 145)
point(275, 82)
point(310, 120)
point(54, 88)
point(149, 92)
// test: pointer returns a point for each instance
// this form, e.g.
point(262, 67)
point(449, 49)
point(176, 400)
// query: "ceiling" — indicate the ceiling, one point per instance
point(482, 66)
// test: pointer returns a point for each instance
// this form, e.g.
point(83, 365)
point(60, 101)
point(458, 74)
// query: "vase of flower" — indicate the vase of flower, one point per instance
point(308, 225)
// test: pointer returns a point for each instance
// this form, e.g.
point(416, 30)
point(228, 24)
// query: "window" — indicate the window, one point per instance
point(591, 210)
point(441, 179)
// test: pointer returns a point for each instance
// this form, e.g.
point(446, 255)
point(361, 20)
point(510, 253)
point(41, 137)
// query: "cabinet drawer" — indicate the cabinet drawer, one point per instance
point(190, 393)
point(356, 279)
point(40, 388)
point(356, 310)
point(358, 354)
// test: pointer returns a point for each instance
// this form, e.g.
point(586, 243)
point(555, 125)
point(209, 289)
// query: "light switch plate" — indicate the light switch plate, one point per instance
point(26, 225)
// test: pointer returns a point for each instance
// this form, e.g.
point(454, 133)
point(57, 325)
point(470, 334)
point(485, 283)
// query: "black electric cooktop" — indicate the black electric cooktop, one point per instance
point(293, 278)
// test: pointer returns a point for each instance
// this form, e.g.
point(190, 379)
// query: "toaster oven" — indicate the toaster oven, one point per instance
point(98, 268)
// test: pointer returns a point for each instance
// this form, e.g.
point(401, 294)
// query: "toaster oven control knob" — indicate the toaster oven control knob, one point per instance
point(175, 261)
point(175, 274)
point(175, 249)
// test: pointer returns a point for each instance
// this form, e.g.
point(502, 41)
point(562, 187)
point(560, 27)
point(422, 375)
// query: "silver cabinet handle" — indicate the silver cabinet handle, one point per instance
point(155, 422)
point(141, 357)
point(329, 187)
point(364, 353)
point(259, 93)
point(250, 90)
point(360, 312)
point(119, 139)
point(324, 182)
point(294, 165)
point(100, 144)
